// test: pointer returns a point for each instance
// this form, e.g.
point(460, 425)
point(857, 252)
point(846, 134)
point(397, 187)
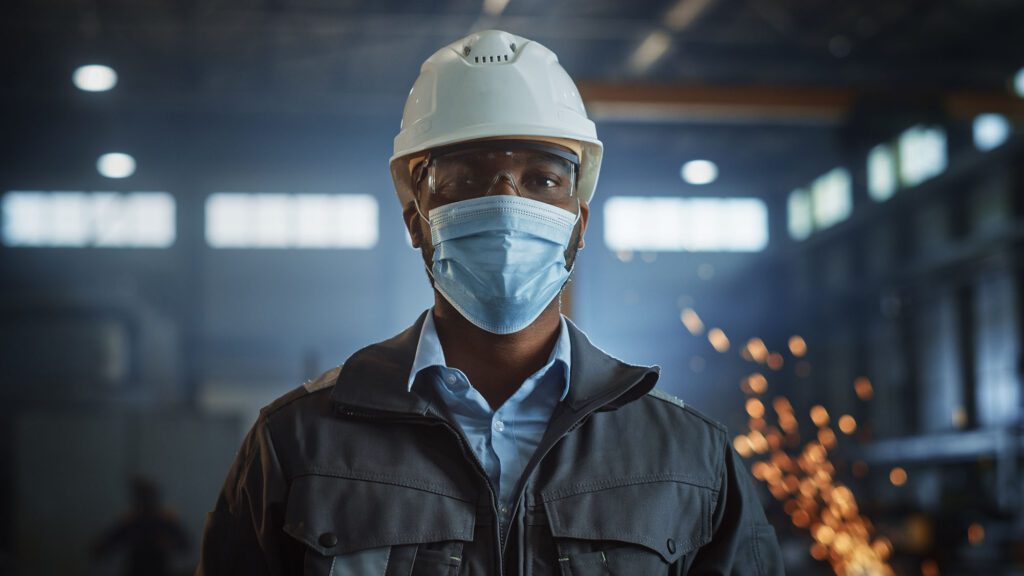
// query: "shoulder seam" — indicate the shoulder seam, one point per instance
point(666, 397)
point(714, 423)
point(323, 382)
point(678, 403)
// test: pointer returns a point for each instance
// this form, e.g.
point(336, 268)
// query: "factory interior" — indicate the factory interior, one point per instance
point(810, 215)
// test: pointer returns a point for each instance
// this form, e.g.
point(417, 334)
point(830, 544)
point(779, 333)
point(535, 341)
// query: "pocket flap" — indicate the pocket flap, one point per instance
point(669, 517)
point(334, 515)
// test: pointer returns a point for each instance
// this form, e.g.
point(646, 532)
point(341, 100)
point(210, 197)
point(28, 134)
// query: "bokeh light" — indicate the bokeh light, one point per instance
point(699, 172)
point(94, 78)
point(115, 165)
point(718, 339)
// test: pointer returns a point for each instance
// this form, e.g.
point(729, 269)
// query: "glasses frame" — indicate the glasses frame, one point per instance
point(422, 169)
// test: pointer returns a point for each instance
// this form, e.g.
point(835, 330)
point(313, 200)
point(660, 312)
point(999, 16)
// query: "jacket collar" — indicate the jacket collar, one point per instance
point(377, 377)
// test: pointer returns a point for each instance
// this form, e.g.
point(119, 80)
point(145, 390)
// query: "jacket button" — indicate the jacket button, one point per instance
point(671, 546)
point(328, 539)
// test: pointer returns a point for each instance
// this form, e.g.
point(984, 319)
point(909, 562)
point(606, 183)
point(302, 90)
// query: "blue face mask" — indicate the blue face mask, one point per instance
point(500, 260)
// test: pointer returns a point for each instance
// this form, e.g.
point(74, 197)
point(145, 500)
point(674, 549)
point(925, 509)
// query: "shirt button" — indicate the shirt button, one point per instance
point(450, 378)
point(499, 425)
point(504, 511)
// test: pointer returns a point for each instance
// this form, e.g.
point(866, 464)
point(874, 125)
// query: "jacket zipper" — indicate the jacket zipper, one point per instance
point(435, 420)
point(585, 413)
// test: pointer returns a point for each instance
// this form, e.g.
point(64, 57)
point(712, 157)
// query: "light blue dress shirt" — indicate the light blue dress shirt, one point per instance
point(503, 439)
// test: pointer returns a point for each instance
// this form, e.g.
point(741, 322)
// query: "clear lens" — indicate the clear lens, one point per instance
point(474, 173)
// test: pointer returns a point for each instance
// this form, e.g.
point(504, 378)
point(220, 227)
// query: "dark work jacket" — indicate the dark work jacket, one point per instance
point(353, 474)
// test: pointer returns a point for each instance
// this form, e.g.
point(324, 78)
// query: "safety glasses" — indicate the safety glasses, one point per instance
point(546, 173)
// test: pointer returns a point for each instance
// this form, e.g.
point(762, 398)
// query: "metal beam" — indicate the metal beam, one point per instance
point(661, 103)
point(790, 104)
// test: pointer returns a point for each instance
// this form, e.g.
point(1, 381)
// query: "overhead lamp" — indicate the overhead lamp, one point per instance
point(94, 78)
point(495, 7)
point(699, 172)
point(653, 47)
point(116, 165)
point(990, 130)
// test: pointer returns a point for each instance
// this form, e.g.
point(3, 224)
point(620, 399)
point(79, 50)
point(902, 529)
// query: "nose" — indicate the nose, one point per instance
point(504, 184)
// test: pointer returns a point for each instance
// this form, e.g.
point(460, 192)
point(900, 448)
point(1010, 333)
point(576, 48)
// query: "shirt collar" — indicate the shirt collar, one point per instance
point(429, 352)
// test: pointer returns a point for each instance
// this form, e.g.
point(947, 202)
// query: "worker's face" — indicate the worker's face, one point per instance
point(461, 177)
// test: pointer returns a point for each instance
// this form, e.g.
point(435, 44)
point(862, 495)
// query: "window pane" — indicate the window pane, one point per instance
point(81, 219)
point(693, 224)
point(291, 221)
point(800, 219)
point(922, 154)
point(831, 198)
point(881, 172)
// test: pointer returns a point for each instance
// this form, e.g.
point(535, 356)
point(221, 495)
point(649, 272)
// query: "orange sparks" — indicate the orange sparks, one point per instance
point(718, 339)
point(862, 386)
point(757, 350)
point(976, 534)
point(692, 321)
point(819, 415)
point(757, 383)
point(742, 445)
point(847, 424)
point(797, 346)
point(860, 469)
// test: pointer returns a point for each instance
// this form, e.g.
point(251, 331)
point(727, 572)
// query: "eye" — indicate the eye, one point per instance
point(541, 181)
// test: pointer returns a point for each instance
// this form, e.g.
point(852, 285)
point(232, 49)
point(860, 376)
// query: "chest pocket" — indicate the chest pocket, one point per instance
point(627, 529)
point(353, 527)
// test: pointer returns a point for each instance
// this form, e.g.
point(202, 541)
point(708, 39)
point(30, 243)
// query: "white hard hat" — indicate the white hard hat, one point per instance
point(493, 84)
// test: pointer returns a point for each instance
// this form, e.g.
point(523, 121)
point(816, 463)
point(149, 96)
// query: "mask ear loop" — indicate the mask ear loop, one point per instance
point(419, 211)
point(422, 167)
point(576, 248)
point(416, 202)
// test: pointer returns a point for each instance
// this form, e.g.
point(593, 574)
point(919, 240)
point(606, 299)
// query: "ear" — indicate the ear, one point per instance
point(412, 224)
point(584, 218)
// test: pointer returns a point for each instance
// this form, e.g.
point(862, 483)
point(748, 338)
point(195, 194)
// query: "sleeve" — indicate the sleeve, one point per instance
point(742, 541)
point(243, 533)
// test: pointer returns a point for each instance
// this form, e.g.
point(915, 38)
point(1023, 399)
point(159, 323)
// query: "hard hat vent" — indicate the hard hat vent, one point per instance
point(489, 47)
point(492, 58)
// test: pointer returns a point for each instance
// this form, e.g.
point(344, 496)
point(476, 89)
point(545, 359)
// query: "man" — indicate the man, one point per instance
point(491, 437)
point(150, 534)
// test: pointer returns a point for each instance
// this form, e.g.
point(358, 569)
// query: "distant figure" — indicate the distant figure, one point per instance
point(150, 533)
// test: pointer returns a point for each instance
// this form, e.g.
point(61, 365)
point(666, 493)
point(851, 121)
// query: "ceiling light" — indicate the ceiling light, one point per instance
point(494, 7)
point(684, 12)
point(990, 130)
point(116, 165)
point(649, 51)
point(700, 172)
point(1018, 83)
point(94, 78)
